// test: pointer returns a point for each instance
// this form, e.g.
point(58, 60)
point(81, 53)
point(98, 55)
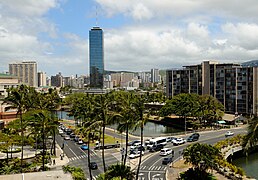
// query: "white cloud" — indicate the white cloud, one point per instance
point(242, 34)
point(28, 7)
point(140, 49)
point(183, 8)
point(140, 12)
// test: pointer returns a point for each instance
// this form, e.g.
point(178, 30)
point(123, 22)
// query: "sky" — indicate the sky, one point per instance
point(138, 34)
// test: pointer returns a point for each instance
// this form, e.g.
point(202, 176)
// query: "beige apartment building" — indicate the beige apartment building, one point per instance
point(25, 71)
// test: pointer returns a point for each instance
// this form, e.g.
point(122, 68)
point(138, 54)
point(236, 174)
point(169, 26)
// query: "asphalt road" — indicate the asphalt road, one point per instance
point(152, 168)
point(79, 158)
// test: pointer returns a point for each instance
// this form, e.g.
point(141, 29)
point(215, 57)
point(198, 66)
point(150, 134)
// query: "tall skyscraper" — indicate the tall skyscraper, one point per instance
point(25, 71)
point(96, 57)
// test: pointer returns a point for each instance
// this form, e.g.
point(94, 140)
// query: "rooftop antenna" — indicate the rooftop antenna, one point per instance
point(96, 16)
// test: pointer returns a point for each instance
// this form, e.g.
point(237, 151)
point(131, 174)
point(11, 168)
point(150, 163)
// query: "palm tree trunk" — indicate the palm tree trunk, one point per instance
point(43, 155)
point(54, 141)
point(103, 152)
point(22, 140)
point(140, 160)
point(89, 156)
point(126, 143)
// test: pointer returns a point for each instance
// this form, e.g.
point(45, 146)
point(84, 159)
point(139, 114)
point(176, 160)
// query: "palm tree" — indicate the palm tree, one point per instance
point(251, 139)
point(119, 171)
point(142, 119)
point(52, 101)
point(102, 106)
point(127, 120)
point(21, 98)
point(43, 120)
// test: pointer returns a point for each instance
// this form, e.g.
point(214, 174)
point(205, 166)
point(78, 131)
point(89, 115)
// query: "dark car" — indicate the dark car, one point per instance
point(93, 165)
point(76, 138)
point(69, 131)
point(72, 135)
point(141, 148)
point(193, 137)
point(167, 160)
point(156, 148)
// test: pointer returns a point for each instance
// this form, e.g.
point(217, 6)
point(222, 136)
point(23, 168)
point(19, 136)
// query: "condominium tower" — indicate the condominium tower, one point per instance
point(155, 77)
point(235, 86)
point(25, 71)
point(96, 57)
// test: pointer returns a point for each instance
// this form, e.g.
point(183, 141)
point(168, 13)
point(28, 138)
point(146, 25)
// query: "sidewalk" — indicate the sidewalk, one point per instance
point(60, 159)
point(29, 152)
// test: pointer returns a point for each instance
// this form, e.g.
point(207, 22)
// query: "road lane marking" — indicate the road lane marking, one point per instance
point(72, 151)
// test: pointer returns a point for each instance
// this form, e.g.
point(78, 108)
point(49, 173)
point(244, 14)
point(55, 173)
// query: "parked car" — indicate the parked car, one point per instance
point(133, 142)
point(67, 137)
point(147, 141)
point(72, 135)
point(69, 131)
point(165, 151)
point(169, 139)
point(167, 160)
point(135, 154)
point(193, 137)
point(60, 131)
point(80, 141)
point(136, 145)
point(93, 165)
point(156, 148)
point(84, 147)
point(178, 141)
point(229, 133)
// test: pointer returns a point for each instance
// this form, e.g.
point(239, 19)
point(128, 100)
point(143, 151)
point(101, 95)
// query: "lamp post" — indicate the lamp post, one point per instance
point(185, 125)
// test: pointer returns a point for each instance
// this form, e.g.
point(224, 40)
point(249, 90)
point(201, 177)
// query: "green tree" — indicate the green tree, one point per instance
point(126, 118)
point(42, 122)
point(251, 139)
point(201, 154)
point(183, 105)
point(118, 171)
point(105, 116)
point(21, 98)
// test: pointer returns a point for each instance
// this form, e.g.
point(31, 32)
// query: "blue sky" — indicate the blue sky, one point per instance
point(138, 34)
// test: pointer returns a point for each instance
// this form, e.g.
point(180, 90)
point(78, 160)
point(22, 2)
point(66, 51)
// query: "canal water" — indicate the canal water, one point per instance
point(150, 129)
point(249, 164)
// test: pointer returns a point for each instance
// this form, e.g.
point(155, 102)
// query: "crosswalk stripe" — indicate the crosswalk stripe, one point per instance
point(159, 168)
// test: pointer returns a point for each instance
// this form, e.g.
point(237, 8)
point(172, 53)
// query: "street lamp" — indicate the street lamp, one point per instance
point(185, 125)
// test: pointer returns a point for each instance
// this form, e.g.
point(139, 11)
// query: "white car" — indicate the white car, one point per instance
point(67, 137)
point(80, 141)
point(61, 131)
point(229, 133)
point(178, 141)
point(135, 154)
point(165, 151)
point(136, 145)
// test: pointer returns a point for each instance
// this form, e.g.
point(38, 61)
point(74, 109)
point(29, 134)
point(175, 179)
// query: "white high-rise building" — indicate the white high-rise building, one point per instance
point(155, 75)
point(25, 71)
point(42, 79)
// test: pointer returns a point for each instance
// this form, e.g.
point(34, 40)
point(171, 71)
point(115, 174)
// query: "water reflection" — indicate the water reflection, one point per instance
point(150, 129)
point(249, 164)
